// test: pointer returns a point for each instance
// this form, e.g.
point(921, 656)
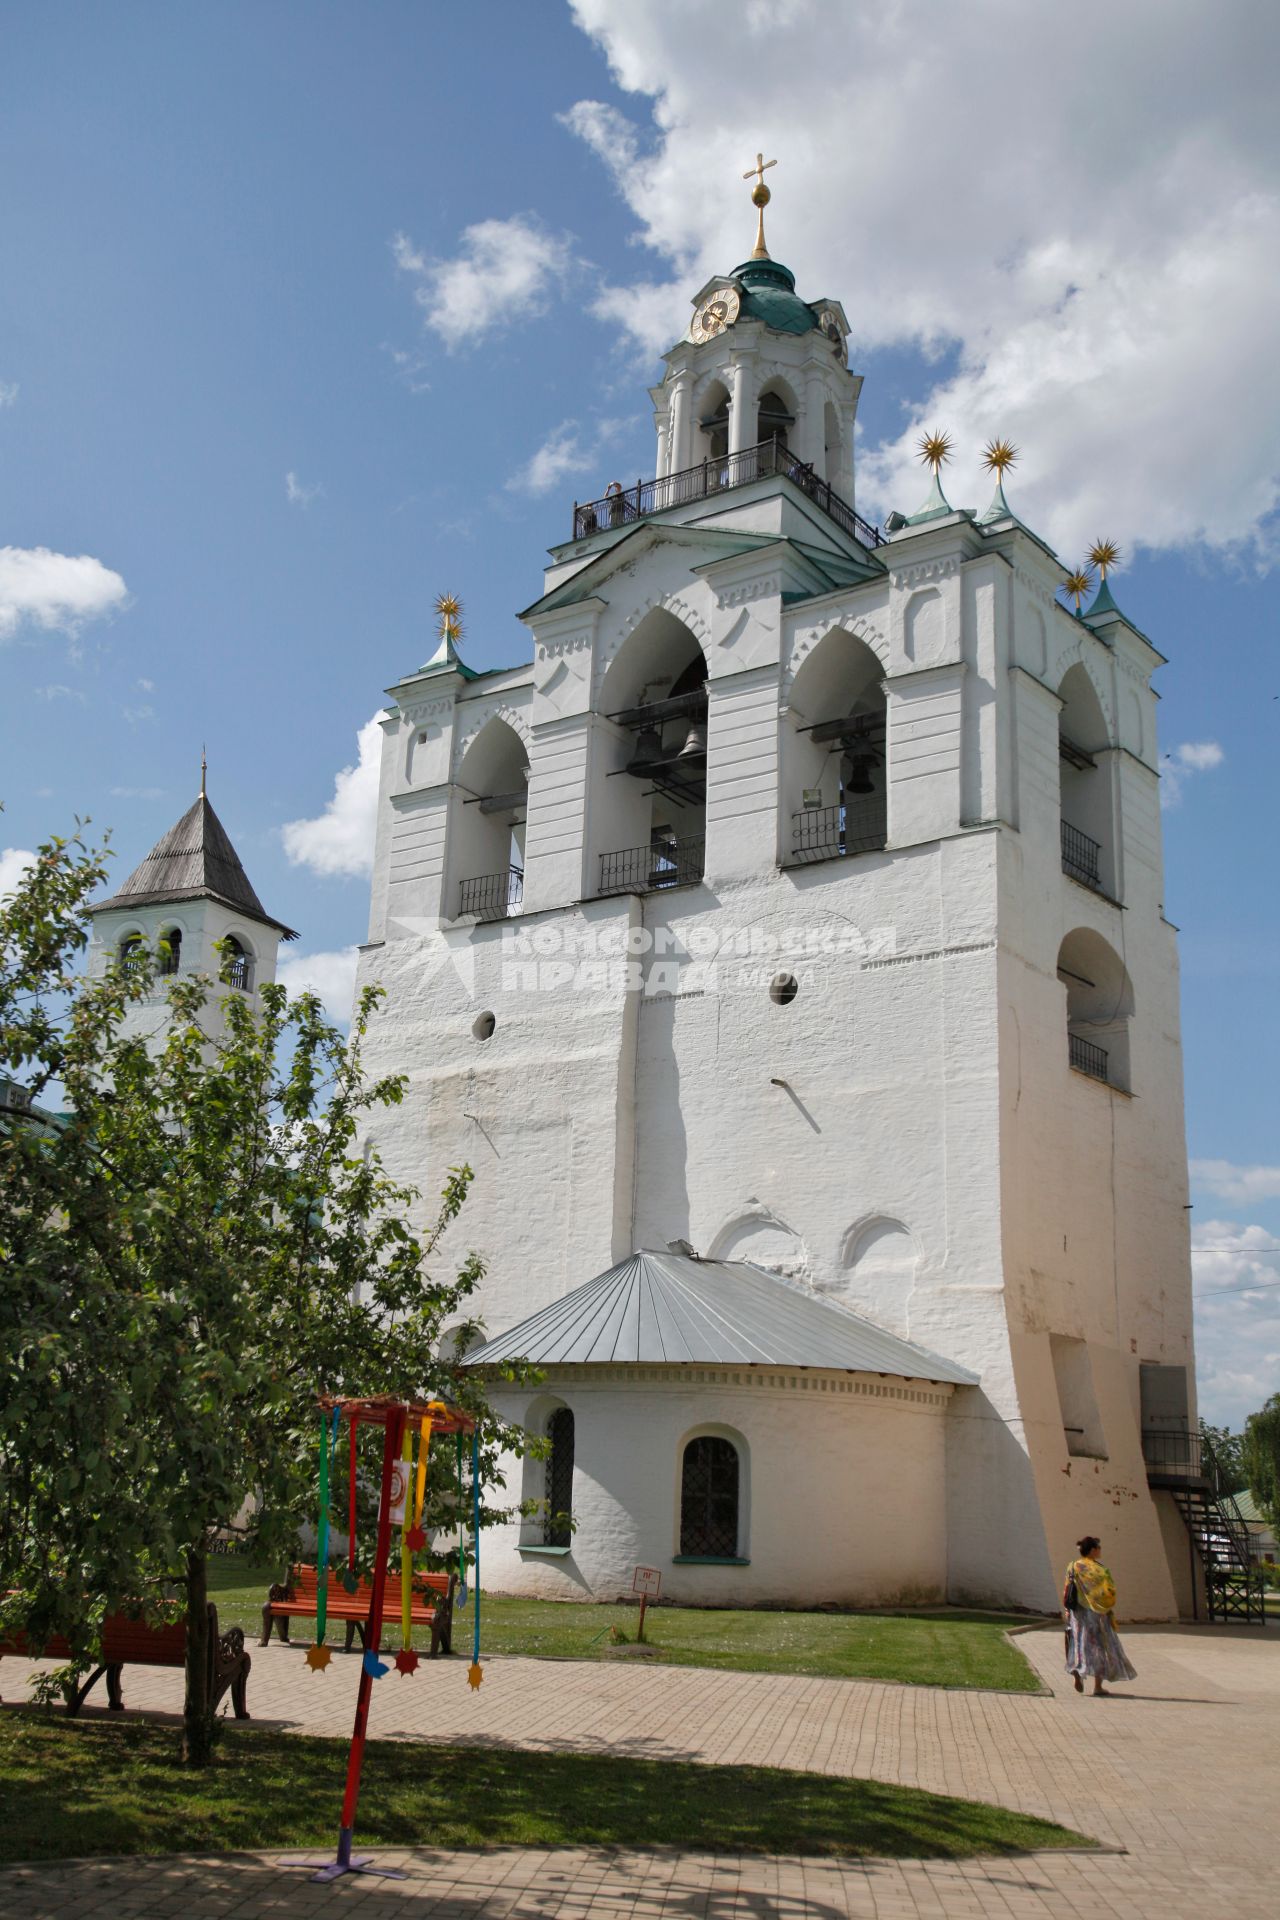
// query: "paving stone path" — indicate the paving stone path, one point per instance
point(1179, 1773)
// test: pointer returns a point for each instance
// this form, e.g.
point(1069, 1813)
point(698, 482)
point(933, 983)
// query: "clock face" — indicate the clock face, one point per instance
point(718, 311)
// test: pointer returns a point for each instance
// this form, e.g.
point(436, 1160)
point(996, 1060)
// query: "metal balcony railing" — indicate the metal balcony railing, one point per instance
point(1087, 1058)
point(824, 833)
point(670, 863)
point(628, 504)
point(492, 896)
point(238, 972)
point(1080, 857)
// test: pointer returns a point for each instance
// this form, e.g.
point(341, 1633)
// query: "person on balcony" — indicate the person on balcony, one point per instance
point(617, 506)
point(1089, 1599)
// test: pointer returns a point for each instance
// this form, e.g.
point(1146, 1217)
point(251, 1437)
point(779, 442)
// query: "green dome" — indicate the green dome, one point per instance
point(769, 294)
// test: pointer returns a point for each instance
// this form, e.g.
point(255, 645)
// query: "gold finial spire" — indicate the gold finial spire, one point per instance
point(1104, 554)
point(998, 456)
point(760, 198)
point(449, 612)
point(934, 449)
point(1077, 585)
point(204, 769)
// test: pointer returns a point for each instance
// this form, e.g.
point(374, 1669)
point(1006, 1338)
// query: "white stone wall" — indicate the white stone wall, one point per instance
point(841, 1491)
point(906, 1136)
point(202, 923)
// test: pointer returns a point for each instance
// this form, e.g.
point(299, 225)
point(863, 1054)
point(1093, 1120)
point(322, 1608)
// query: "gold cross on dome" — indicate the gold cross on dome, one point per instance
point(759, 170)
point(760, 198)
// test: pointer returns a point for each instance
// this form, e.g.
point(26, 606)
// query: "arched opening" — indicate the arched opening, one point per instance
point(489, 823)
point(131, 952)
point(760, 1237)
point(1085, 785)
point(651, 784)
point(834, 785)
point(775, 415)
point(712, 442)
point(709, 1499)
point(171, 950)
point(237, 965)
point(1099, 1007)
point(558, 1480)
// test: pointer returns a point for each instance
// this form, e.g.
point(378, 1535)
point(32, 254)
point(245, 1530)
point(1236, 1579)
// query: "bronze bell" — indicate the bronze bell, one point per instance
point(695, 745)
point(648, 748)
point(856, 768)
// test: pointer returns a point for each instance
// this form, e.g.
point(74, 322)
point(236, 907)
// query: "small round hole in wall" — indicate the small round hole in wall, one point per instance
point(483, 1026)
point(783, 989)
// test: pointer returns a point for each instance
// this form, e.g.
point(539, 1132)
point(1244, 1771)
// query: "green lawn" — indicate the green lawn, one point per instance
point(71, 1789)
point(947, 1648)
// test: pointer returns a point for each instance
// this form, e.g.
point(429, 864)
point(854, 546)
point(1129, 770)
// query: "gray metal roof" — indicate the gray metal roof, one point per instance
point(194, 861)
point(668, 1308)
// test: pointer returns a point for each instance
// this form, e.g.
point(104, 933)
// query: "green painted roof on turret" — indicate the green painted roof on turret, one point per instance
point(769, 294)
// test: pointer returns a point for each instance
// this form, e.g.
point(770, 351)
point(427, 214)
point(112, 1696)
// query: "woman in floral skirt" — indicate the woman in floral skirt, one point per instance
point(1089, 1598)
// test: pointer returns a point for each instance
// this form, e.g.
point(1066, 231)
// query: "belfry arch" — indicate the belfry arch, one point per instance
point(1087, 830)
point(492, 790)
point(834, 770)
point(649, 785)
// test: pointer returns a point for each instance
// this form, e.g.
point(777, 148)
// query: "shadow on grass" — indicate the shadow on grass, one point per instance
point(76, 1790)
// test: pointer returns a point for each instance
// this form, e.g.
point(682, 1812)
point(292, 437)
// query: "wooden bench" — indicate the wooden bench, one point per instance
point(432, 1605)
point(130, 1642)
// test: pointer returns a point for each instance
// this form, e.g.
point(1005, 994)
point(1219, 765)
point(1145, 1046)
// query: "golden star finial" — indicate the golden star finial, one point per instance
point(449, 614)
point(760, 198)
point(318, 1657)
point(1077, 585)
point(1104, 554)
point(998, 456)
point(475, 1674)
point(934, 449)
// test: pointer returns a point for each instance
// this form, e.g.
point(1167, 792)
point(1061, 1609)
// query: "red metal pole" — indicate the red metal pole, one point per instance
point(392, 1440)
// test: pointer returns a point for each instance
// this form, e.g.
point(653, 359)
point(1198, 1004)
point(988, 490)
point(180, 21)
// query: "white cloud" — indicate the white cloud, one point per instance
point(1192, 756)
point(298, 494)
point(567, 449)
point(1237, 1335)
point(55, 591)
point(331, 975)
point(1245, 1186)
point(147, 686)
point(340, 840)
point(8, 393)
point(1092, 242)
point(57, 691)
point(135, 715)
point(14, 862)
point(505, 271)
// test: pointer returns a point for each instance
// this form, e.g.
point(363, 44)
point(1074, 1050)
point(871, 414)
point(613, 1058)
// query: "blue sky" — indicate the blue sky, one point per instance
point(310, 312)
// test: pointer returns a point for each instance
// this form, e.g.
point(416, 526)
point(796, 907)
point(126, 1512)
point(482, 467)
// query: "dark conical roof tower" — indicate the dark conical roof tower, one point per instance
point(195, 860)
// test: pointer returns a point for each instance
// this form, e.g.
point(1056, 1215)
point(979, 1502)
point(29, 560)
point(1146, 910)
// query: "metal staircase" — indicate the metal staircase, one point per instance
point(1184, 1464)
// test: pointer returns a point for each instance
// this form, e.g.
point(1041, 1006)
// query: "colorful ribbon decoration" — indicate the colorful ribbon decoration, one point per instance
point(460, 1509)
point(477, 1673)
point(351, 1507)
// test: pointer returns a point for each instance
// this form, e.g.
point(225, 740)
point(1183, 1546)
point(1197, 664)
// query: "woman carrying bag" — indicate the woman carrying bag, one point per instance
point(1089, 1598)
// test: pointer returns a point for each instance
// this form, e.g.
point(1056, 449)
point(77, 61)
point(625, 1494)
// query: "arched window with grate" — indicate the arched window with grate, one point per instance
point(558, 1529)
point(709, 1499)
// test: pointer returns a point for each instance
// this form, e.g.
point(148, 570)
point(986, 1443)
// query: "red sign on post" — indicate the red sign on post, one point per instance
point(647, 1582)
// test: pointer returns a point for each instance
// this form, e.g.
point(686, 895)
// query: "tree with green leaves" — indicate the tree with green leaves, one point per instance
point(203, 1243)
point(1262, 1457)
point(1228, 1452)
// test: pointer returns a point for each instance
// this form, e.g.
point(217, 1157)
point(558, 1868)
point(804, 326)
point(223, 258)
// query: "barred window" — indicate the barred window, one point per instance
point(709, 1498)
point(558, 1529)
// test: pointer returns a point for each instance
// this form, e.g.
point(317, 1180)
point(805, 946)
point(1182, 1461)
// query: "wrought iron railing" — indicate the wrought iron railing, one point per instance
point(492, 896)
point(1086, 1057)
point(170, 960)
point(1080, 857)
point(1176, 1454)
point(670, 863)
point(624, 505)
point(824, 833)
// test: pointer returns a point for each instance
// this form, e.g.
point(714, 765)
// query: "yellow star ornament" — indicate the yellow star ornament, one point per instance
point(475, 1674)
point(318, 1658)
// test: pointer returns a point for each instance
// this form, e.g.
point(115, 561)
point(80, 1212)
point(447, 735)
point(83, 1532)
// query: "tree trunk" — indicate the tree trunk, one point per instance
point(197, 1713)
